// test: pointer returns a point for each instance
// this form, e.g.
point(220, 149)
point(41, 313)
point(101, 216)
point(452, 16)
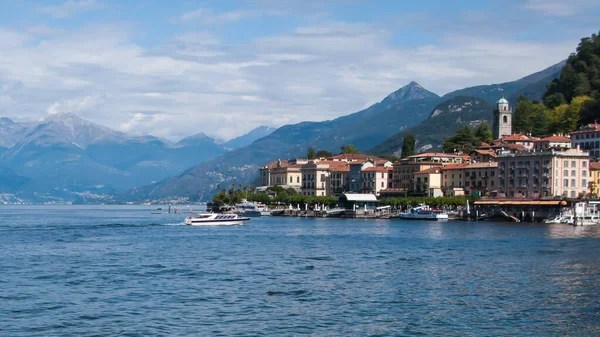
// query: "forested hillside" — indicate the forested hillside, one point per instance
point(571, 100)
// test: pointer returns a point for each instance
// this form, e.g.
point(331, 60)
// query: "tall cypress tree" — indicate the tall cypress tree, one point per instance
point(408, 145)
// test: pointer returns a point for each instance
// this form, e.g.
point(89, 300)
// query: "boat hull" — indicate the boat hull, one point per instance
point(433, 217)
point(215, 220)
point(249, 213)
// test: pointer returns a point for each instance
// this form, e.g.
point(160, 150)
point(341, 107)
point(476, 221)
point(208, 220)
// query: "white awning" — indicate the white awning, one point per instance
point(360, 197)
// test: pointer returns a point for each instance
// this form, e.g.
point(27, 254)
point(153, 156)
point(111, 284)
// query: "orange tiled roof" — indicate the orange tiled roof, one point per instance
point(454, 166)
point(486, 152)
point(434, 154)
point(274, 164)
point(595, 166)
point(335, 166)
point(356, 156)
point(554, 139)
point(516, 137)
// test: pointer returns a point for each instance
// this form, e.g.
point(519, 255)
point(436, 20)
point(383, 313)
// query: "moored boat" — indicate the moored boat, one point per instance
point(246, 208)
point(424, 213)
point(214, 219)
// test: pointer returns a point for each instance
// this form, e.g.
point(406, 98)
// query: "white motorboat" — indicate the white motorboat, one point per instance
point(424, 213)
point(246, 208)
point(214, 219)
point(558, 219)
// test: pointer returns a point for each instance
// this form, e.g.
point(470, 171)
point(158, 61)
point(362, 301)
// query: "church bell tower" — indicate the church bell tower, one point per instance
point(502, 123)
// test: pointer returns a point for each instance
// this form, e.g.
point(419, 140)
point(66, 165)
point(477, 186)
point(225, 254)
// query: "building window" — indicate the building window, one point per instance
point(584, 183)
point(566, 164)
point(573, 163)
point(584, 173)
point(572, 194)
point(566, 173)
point(573, 173)
point(566, 183)
point(572, 182)
point(504, 118)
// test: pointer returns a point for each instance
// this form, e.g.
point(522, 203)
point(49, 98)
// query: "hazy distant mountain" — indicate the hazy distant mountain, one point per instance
point(11, 132)
point(66, 154)
point(250, 137)
point(491, 93)
point(401, 109)
point(445, 119)
point(11, 182)
point(467, 107)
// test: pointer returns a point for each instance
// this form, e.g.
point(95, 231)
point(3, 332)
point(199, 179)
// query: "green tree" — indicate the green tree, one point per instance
point(522, 119)
point(579, 78)
point(408, 145)
point(463, 140)
point(554, 100)
point(484, 133)
point(221, 198)
point(311, 154)
point(324, 154)
point(540, 121)
point(557, 117)
point(349, 149)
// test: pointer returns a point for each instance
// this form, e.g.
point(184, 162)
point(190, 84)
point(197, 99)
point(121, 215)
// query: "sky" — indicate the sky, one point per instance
point(177, 68)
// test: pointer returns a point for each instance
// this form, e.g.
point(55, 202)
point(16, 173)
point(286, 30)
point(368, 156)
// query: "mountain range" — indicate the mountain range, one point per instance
point(468, 107)
point(378, 129)
point(64, 157)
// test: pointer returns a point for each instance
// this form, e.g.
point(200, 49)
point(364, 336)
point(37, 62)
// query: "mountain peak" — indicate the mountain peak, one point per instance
point(412, 90)
point(197, 139)
point(250, 137)
point(63, 116)
point(6, 121)
point(414, 84)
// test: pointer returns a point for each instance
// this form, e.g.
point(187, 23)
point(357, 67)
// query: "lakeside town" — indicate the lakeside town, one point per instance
point(515, 172)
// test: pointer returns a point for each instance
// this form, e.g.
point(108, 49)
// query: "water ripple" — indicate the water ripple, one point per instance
point(124, 272)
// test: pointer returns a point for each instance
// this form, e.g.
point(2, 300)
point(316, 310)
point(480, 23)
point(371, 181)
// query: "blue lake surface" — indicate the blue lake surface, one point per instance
point(119, 270)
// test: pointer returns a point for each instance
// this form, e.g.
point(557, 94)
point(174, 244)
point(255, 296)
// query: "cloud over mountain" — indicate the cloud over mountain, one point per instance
point(172, 79)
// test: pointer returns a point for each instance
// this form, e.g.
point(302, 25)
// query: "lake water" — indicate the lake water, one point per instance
point(119, 270)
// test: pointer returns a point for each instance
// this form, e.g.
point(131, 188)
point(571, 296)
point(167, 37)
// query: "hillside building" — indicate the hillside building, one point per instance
point(594, 181)
point(376, 178)
point(556, 142)
point(587, 138)
point(543, 174)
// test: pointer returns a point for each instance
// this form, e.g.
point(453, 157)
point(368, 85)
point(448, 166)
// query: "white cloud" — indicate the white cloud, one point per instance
point(208, 16)
point(75, 105)
point(44, 30)
point(70, 8)
point(195, 82)
point(559, 8)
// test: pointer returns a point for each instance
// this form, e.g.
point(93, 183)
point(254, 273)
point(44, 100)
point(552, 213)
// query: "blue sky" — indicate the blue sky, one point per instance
point(175, 68)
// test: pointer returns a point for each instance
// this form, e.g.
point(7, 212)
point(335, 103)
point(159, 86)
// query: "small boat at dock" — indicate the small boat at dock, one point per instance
point(215, 219)
point(423, 213)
